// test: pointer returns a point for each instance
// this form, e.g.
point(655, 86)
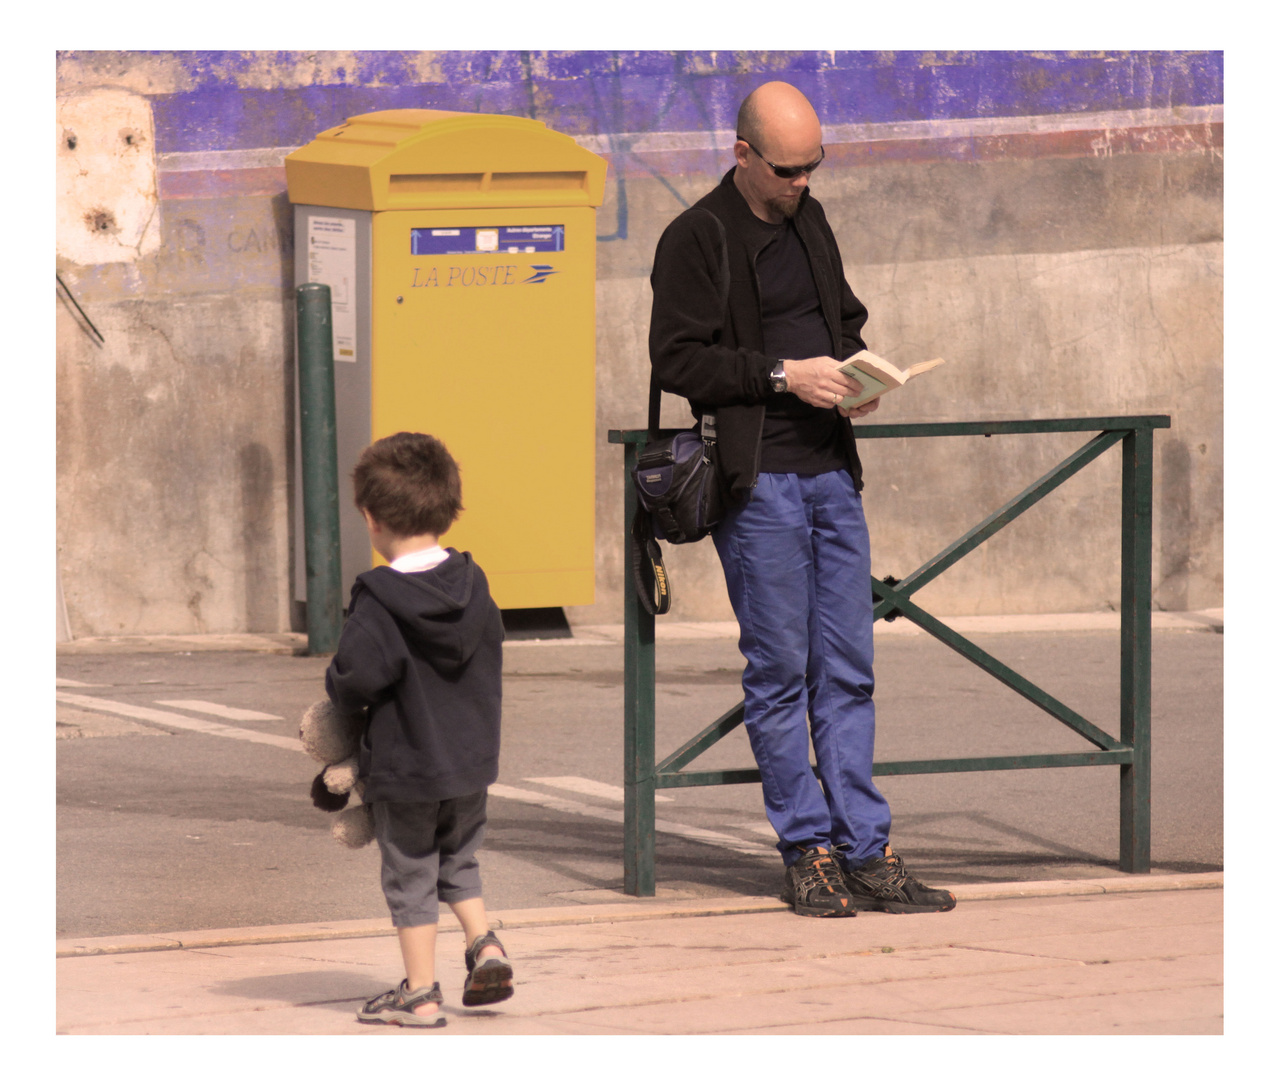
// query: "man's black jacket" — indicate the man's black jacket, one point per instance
point(715, 358)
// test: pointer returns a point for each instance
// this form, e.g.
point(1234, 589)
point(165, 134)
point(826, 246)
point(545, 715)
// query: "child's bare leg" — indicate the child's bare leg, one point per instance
point(418, 945)
point(472, 914)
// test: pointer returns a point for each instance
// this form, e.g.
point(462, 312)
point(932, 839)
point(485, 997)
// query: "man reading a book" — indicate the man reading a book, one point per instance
point(794, 544)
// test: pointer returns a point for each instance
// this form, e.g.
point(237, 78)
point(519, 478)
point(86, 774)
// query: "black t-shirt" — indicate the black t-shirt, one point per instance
point(797, 437)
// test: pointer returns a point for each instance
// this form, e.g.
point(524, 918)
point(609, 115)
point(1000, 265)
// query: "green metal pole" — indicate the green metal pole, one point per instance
point(316, 383)
point(639, 714)
point(1134, 650)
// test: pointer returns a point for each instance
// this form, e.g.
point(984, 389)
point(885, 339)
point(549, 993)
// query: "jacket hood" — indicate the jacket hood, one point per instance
point(434, 608)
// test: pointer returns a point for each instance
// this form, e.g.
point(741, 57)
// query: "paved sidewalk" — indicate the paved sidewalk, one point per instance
point(1122, 955)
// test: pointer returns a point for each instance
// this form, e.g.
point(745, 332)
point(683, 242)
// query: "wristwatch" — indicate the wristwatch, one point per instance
point(778, 379)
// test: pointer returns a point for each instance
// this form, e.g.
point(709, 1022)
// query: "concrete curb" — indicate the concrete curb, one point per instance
point(624, 911)
point(273, 644)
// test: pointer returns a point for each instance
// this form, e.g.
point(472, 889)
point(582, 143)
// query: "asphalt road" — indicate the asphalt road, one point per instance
point(163, 828)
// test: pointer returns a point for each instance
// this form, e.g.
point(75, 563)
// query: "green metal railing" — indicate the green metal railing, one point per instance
point(1130, 751)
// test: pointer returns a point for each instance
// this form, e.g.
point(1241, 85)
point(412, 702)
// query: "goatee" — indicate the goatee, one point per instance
point(784, 207)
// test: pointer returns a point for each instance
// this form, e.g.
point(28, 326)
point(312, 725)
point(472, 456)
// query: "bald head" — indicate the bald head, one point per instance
point(778, 127)
point(779, 119)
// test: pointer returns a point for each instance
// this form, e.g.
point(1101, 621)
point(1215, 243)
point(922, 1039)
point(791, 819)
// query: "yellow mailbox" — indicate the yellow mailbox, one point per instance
point(461, 252)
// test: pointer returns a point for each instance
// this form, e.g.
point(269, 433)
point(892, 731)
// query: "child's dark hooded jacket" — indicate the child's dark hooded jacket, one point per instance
point(422, 652)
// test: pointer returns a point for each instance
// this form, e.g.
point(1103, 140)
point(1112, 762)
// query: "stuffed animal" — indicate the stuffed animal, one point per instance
point(332, 738)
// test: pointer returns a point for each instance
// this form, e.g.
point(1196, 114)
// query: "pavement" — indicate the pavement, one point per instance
point(1128, 955)
point(1125, 954)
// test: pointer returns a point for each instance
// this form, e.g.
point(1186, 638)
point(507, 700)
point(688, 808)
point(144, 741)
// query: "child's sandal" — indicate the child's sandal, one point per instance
point(398, 1006)
point(489, 980)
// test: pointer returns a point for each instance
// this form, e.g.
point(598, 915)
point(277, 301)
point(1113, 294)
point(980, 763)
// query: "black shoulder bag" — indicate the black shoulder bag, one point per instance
point(676, 481)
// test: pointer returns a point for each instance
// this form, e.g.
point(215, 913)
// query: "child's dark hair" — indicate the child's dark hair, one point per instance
point(409, 483)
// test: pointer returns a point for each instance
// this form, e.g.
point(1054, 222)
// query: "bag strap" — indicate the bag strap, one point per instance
point(650, 576)
point(709, 420)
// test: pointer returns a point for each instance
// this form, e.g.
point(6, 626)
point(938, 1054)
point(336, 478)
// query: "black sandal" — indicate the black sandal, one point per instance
point(398, 1006)
point(492, 979)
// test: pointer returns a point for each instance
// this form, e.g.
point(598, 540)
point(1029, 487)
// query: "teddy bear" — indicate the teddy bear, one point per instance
point(332, 738)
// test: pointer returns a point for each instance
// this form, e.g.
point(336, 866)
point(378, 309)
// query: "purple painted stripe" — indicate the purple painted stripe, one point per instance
point(592, 93)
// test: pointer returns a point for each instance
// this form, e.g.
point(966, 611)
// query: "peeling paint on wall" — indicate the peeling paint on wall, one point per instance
point(108, 201)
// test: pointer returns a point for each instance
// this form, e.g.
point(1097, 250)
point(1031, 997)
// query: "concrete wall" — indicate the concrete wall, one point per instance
point(1048, 223)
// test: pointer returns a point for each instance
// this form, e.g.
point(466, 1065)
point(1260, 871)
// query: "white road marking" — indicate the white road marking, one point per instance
point(569, 806)
point(764, 828)
point(72, 682)
point(226, 712)
point(503, 791)
point(585, 786)
point(172, 719)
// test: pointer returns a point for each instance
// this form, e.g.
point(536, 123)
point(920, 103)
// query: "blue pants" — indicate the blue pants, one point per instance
point(798, 569)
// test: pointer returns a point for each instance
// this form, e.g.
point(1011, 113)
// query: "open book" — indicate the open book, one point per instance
point(878, 375)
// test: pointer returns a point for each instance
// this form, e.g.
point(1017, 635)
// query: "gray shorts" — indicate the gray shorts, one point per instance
point(428, 852)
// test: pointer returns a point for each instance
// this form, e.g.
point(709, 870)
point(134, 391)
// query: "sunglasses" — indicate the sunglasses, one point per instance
point(789, 172)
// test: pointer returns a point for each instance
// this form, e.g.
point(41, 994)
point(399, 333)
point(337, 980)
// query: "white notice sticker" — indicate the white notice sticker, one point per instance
point(332, 263)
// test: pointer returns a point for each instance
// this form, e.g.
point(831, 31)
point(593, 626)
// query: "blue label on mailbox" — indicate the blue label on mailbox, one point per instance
point(488, 239)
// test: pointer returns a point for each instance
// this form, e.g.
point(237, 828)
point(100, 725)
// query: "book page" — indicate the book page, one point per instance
point(871, 386)
point(927, 365)
point(875, 365)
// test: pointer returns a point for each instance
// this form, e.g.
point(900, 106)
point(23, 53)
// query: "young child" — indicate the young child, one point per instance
point(421, 650)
